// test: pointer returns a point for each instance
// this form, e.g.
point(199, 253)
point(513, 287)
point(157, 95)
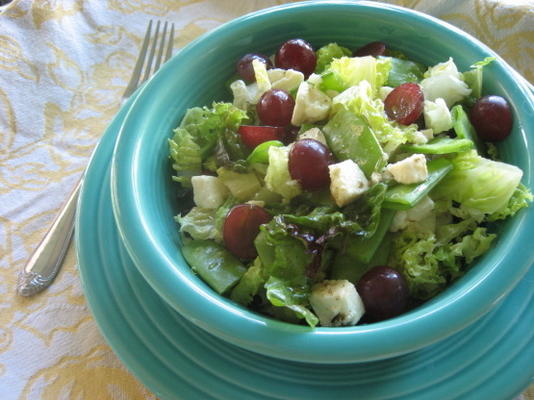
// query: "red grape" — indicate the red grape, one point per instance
point(384, 293)
point(275, 108)
point(253, 135)
point(296, 54)
point(405, 103)
point(492, 118)
point(308, 164)
point(374, 49)
point(241, 226)
point(246, 70)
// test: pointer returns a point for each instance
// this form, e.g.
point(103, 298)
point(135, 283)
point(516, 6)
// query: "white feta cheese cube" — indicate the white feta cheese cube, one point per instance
point(429, 133)
point(421, 210)
point(419, 137)
point(285, 79)
point(437, 115)
point(421, 214)
point(311, 105)
point(336, 303)
point(347, 182)
point(410, 170)
point(208, 191)
point(314, 133)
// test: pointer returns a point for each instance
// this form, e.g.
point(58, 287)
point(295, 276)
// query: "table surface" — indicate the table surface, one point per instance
point(63, 67)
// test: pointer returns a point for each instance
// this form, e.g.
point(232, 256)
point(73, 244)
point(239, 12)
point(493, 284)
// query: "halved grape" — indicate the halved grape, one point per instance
point(244, 65)
point(405, 103)
point(308, 164)
point(253, 135)
point(296, 54)
point(492, 118)
point(374, 49)
point(384, 293)
point(241, 227)
point(275, 108)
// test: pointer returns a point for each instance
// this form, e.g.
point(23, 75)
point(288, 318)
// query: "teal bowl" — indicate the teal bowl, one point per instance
point(144, 197)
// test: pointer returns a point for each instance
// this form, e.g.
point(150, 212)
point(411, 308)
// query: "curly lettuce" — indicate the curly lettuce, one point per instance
point(327, 53)
point(361, 101)
point(200, 131)
point(346, 72)
point(430, 263)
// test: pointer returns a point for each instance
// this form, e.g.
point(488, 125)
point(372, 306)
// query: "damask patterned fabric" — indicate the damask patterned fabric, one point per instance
point(63, 67)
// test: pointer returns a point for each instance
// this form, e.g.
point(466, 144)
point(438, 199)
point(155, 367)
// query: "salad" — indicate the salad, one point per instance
point(343, 187)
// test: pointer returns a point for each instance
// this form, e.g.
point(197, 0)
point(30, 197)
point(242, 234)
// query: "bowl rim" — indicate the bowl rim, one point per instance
point(419, 328)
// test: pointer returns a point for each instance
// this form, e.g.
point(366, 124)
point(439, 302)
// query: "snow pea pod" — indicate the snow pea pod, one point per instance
point(403, 197)
point(442, 145)
point(215, 265)
point(350, 137)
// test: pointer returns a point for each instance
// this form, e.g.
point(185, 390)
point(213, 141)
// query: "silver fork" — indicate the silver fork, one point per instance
point(46, 261)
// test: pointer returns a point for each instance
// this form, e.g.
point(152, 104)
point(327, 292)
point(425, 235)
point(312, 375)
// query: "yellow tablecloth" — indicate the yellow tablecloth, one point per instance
point(63, 67)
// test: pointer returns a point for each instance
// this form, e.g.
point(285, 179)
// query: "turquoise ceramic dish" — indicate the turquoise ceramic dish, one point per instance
point(143, 195)
point(490, 360)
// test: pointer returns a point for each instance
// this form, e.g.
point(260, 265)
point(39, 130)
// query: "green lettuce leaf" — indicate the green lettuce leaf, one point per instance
point(473, 79)
point(200, 131)
point(478, 183)
point(285, 259)
point(281, 254)
point(243, 186)
point(207, 125)
point(361, 101)
point(521, 198)
point(414, 254)
point(250, 284)
point(360, 218)
point(430, 264)
point(199, 223)
point(282, 294)
point(404, 71)
point(185, 154)
point(277, 178)
point(327, 53)
point(345, 72)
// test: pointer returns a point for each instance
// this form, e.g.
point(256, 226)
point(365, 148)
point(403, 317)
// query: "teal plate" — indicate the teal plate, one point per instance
point(491, 359)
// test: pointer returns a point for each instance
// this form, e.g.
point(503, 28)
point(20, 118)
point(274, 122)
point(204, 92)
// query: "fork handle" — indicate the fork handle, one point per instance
point(46, 260)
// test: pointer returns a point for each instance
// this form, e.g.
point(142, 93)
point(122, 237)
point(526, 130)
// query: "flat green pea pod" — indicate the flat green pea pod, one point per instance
point(441, 145)
point(462, 126)
point(260, 154)
point(215, 265)
point(349, 137)
point(403, 197)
